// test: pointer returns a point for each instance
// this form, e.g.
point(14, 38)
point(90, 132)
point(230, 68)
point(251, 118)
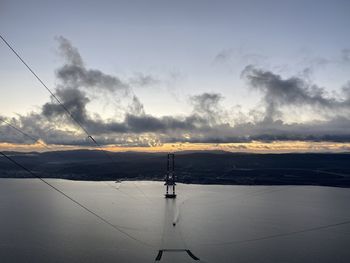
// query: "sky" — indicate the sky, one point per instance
point(260, 76)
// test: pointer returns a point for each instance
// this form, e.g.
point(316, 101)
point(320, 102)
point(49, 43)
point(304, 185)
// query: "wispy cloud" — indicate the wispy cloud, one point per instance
point(207, 122)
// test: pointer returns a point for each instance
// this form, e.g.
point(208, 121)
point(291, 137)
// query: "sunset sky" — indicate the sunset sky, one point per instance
point(251, 76)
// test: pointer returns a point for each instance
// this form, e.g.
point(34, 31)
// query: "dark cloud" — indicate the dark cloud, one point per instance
point(148, 123)
point(69, 53)
point(207, 105)
point(193, 129)
point(279, 92)
point(136, 107)
point(335, 130)
point(73, 100)
point(209, 121)
point(74, 74)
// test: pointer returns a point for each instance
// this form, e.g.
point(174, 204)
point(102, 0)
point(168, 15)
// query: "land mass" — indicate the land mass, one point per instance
point(327, 169)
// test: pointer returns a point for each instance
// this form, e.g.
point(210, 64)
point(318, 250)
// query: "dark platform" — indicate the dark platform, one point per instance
point(170, 195)
point(160, 253)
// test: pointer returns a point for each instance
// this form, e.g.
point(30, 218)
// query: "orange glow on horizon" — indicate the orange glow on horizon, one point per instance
point(253, 147)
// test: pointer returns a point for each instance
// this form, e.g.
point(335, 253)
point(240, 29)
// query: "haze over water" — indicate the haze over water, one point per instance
point(217, 223)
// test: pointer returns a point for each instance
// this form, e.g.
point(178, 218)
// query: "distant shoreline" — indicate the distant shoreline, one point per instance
point(206, 168)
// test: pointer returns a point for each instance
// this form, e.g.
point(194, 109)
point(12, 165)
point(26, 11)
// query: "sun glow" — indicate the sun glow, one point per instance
point(253, 147)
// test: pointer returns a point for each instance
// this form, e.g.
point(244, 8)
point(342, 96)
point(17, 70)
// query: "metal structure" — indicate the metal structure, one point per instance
point(160, 253)
point(170, 177)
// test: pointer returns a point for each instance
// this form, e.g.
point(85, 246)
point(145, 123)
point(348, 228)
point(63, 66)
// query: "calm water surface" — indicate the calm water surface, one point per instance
point(217, 223)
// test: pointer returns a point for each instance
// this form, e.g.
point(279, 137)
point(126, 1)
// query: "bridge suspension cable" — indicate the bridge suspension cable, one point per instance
point(114, 226)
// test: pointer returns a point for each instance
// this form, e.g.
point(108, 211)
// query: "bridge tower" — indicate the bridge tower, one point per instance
point(170, 177)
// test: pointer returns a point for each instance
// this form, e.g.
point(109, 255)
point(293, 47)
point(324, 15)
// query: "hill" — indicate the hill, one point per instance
point(191, 167)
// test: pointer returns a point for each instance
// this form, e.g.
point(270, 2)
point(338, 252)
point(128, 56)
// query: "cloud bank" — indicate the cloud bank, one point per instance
point(208, 122)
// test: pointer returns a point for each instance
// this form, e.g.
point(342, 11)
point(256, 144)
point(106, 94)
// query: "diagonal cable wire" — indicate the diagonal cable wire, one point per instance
point(142, 192)
point(115, 227)
point(55, 97)
point(312, 229)
point(25, 134)
point(61, 156)
point(45, 86)
point(36, 140)
point(52, 150)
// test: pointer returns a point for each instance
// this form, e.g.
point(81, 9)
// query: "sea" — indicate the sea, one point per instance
point(131, 221)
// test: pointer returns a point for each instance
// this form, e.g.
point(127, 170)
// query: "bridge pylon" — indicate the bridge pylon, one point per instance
point(170, 177)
